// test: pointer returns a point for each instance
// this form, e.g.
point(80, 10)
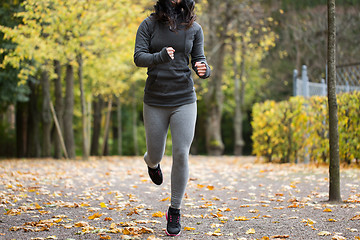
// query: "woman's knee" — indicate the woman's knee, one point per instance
point(180, 156)
point(152, 160)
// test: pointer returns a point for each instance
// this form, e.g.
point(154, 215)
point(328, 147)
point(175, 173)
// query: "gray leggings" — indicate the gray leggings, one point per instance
point(182, 125)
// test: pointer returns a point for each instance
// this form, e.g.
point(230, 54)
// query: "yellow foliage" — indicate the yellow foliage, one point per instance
point(102, 32)
point(282, 131)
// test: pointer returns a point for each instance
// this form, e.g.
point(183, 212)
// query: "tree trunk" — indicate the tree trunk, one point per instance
point(59, 109)
point(68, 112)
point(214, 101)
point(10, 116)
point(33, 137)
point(239, 141)
point(97, 110)
point(334, 168)
point(218, 23)
point(134, 127)
point(119, 127)
point(21, 128)
point(114, 129)
point(83, 110)
point(46, 115)
point(107, 126)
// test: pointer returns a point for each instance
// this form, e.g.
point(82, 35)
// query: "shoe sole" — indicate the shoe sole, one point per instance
point(169, 234)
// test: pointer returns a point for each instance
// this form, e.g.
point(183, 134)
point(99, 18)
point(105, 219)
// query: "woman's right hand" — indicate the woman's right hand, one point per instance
point(171, 52)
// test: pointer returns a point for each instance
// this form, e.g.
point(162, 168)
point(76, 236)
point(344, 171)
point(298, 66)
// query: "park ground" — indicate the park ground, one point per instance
point(226, 198)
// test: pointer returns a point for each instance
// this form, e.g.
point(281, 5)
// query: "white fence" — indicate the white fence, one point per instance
point(303, 87)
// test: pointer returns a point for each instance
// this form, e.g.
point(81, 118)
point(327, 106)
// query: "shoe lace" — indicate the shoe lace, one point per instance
point(174, 223)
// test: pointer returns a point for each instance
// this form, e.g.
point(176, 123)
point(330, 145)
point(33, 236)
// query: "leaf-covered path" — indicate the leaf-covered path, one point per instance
point(226, 198)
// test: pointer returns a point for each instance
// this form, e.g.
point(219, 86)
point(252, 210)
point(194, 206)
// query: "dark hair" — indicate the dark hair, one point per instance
point(168, 13)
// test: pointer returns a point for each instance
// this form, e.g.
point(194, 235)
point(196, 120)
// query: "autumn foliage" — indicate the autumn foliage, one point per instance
point(297, 129)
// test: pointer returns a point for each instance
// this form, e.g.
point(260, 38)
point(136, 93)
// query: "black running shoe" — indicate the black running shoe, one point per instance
point(173, 227)
point(156, 175)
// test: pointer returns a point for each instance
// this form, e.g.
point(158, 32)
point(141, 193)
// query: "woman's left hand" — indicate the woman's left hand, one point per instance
point(201, 68)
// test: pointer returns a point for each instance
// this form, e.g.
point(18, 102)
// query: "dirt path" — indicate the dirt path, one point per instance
point(226, 198)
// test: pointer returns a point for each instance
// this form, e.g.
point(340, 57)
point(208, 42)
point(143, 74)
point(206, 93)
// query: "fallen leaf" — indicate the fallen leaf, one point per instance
point(81, 224)
point(332, 220)
point(189, 228)
point(210, 187)
point(165, 199)
point(152, 237)
point(327, 210)
point(108, 219)
point(105, 237)
point(158, 214)
point(250, 231)
point(280, 236)
point(51, 237)
point(337, 237)
point(357, 217)
point(324, 233)
point(242, 218)
point(96, 215)
point(278, 208)
point(103, 205)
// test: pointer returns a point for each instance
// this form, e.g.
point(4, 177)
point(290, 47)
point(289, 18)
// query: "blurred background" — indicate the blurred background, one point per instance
point(69, 87)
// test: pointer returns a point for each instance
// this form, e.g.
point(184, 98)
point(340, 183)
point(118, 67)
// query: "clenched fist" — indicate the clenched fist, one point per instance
point(201, 68)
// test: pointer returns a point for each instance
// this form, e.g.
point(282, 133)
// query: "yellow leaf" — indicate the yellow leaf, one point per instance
point(253, 211)
point(96, 215)
point(37, 206)
point(337, 237)
point(158, 214)
point(113, 225)
point(165, 199)
point(81, 224)
point(108, 219)
point(126, 231)
point(265, 238)
point(51, 237)
point(327, 210)
point(200, 186)
point(58, 220)
point(217, 230)
point(105, 237)
point(242, 218)
point(250, 231)
point(324, 233)
point(152, 237)
point(210, 187)
point(332, 220)
point(103, 205)
point(189, 228)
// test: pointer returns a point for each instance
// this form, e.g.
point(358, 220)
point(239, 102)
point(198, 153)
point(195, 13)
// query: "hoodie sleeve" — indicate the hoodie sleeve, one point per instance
point(142, 55)
point(197, 53)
